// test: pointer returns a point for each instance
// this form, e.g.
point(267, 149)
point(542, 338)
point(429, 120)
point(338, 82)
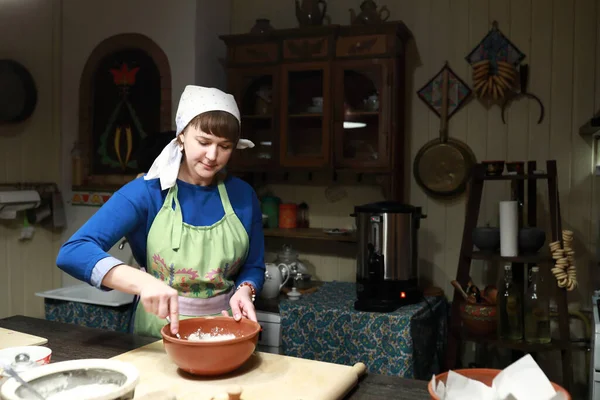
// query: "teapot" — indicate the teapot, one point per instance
point(275, 277)
point(369, 14)
point(309, 12)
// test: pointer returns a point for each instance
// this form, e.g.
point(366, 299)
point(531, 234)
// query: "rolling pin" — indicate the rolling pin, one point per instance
point(359, 369)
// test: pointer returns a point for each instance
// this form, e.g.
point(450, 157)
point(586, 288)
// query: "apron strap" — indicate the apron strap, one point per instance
point(177, 222)
point(225, 199)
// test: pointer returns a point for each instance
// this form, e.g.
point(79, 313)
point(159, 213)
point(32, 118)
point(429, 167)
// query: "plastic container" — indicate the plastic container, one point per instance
point(288, 216)
point(270, 207)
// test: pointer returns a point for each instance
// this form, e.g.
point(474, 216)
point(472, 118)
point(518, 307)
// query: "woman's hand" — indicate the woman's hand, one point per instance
point(241, 305)
point(157, 297)
point(162, 300)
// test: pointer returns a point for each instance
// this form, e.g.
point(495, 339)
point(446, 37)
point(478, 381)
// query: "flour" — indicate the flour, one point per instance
point(85, 392)
point(214, 335)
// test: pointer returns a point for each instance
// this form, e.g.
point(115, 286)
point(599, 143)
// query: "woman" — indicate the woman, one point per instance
point(197, 233)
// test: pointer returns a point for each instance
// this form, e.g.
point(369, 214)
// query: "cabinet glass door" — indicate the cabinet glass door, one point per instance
point(255, 93)
point(362, 115)
point(305, 116)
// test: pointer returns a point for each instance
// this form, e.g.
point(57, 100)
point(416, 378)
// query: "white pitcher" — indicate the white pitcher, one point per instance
point(274, 280)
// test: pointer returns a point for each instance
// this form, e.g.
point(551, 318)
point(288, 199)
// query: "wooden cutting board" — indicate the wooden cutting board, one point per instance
point(265, 376)
point(9, 338)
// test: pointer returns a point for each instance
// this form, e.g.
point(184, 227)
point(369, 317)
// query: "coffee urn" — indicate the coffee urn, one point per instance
point(387, 273)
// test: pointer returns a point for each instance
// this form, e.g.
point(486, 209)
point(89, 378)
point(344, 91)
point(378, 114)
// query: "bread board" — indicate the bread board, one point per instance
point(264, 376)
point(10, 338)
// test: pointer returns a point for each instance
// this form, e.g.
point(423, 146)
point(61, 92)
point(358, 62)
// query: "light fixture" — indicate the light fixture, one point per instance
point(353, 125)
point(349, 119)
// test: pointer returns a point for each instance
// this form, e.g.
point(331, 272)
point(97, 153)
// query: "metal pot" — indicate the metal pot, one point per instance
point(387, 263)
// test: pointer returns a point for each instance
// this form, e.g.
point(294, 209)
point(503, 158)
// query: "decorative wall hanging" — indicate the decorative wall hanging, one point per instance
point(442, 166)
point(126, 105)
point(458, 92)
point(523, 80)
point(125, 95)
point(18, 94)
point(494, 62)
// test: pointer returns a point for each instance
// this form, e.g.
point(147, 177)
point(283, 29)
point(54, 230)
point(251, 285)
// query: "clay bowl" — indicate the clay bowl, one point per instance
point(214, 357)
point(493, 168)
point(515, 167)
point(479, 319)
point(486, 238)
point(482, 375)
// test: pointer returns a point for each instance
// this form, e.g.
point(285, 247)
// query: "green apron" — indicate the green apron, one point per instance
point(200, 262)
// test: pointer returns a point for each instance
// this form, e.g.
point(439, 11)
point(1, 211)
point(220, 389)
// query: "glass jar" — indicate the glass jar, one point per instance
point(303, 215)
point(289, 257)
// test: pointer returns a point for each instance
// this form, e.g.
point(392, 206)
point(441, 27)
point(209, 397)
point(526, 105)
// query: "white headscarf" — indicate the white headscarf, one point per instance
point(194, 100)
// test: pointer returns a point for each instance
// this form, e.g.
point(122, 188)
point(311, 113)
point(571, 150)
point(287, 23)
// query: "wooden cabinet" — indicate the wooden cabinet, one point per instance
point(362, 115)
point(305, 115)
point(252, 87)
point(322, 98)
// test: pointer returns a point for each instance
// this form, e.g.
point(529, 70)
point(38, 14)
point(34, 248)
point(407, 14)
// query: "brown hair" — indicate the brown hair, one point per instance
point(218, 123)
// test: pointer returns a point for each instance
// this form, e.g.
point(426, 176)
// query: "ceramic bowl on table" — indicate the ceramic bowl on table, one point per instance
point(483, 375)
point(87, 379)
point(39, 355)
point(212, 356)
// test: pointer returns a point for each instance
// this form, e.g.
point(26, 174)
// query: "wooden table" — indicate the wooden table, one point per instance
point(71, 342)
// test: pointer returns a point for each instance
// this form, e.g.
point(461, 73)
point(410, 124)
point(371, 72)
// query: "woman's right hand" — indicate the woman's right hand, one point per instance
point(161, 300)
point(157, 297)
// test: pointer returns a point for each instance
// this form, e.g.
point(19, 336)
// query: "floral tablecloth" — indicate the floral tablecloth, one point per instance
point(324, 326)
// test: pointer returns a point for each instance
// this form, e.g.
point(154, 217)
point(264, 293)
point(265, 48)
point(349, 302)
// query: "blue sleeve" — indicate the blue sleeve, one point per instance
point(253, 270)
point(85, 255)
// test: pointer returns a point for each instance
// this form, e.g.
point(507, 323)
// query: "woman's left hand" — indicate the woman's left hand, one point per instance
point(241, 305)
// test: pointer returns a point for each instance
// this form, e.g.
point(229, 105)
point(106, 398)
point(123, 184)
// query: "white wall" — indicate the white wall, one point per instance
point(85, 24)
point(209, 49)
point(30, 151)
point(185, 30)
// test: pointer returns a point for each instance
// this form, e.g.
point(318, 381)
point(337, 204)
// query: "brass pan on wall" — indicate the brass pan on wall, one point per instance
point(18, 94)
point(443, 166)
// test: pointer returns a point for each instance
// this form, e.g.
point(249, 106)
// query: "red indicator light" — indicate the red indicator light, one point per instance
point(402, 295)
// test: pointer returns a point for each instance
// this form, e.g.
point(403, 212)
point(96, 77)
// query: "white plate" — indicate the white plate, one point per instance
point(337, 231)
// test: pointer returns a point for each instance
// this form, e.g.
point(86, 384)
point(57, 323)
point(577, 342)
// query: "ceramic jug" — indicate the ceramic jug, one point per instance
point(311, 12)
point(369, 14)
point(275, 277)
